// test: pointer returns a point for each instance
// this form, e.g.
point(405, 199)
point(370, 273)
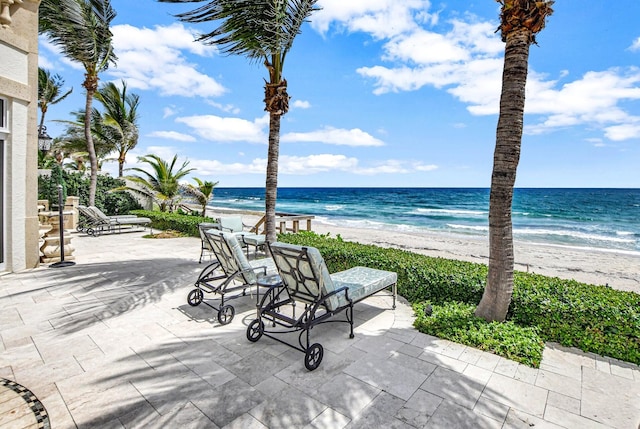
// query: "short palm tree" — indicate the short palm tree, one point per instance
point(263, 31)
point(162, 184)
point(202, 193)
point(121, 113)
point(73, 140)
point(81, 29)
point(49, 92)
point(520, 21)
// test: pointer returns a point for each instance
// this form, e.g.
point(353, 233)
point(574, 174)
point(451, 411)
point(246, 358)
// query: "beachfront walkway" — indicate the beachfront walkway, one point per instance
point(111, 343)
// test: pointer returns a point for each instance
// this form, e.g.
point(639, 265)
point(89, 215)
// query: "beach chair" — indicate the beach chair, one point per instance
point(235, 225)
point(306, 280)
point(100, 222)
point(205, 247)
point(231, 272)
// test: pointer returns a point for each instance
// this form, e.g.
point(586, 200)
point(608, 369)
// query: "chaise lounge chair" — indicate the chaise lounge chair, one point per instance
point(96, 222)
point(306, 279)
point(231, 272)
point(235, 225)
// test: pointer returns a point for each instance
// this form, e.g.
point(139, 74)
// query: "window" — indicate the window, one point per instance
point(3, 115)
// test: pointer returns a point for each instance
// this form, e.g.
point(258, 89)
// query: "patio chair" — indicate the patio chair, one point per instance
point(235, 225)
point(231, 272)
point(306, 279)
point(89, 218)
point(100, 222)
point(205, 247)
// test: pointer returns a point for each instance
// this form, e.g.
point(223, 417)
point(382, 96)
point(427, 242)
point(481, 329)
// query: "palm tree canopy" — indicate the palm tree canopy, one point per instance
point(80, 28)
point(528, 14)
point(121, 112)
point(258, 29)
point(73, 139)
point(162, 181)
point(49, 88)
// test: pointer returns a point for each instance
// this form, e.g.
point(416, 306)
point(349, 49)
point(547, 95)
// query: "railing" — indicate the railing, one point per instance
point(282, 219)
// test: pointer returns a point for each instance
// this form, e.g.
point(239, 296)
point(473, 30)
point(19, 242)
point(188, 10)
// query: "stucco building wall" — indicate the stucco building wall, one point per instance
point(18, 136)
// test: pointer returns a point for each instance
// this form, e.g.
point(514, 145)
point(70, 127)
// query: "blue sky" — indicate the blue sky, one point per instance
point(384, 93)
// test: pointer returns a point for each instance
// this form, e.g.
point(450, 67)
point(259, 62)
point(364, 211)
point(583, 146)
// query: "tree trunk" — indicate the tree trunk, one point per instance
point(272, 176)
point(497, 294)
point(91, 85)
point(120, 167)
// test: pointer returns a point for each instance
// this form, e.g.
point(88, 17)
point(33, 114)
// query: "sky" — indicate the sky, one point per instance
point(384, 93)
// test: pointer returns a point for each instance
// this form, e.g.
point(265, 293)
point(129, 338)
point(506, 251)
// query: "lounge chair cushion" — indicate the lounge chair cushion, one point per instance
point(312, 278)
point(237, 261)
point(231, 224)
point(361, 282)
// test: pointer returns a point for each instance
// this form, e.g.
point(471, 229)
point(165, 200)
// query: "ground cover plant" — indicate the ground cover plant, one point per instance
point(186, 224)
point(593, 318)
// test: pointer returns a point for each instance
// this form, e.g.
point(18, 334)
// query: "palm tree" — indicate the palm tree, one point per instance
point(81, 29)
point(520, 21)
point(202, 193)
point(73, 140)
point(162, 184)
point(121, 112)
point(261, 30)
point(49, 87)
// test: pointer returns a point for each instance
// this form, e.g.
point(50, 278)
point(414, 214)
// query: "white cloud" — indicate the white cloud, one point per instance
point(308, 165)
point(168, 111)
point(335, 136)
point(394, 166)
point(467, 62)
point(219, 129)
point(381, 18)
point(623, 132)
point(153, 59)
point(173, 135)
point(635, 46)
point(301, 104)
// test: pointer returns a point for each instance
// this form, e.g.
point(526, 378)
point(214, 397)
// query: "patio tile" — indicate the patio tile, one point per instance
point(455, 387)
point(564, 402)
point(386, 375)
point(347, 395)
point(452, 415)
point(185, 417)
point(559, 383)
point(303, 410)
point(516, 394)
point(611, 400)
point(419, 408)
point(517, 419)
point(493, 409)
point(228, 402)
point(328, 419)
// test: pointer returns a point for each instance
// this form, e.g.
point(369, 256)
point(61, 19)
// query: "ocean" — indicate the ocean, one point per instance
point(602, 219)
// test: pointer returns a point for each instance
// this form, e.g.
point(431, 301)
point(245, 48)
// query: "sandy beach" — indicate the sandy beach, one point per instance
point(616, 269)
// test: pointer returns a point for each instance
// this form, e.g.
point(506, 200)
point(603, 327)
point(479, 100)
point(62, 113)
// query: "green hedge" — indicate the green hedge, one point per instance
point(186, 224)
point(77, 184)
point(593, 318)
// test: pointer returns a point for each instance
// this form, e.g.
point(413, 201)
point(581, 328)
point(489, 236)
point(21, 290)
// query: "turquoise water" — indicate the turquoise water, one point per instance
point(606, 219)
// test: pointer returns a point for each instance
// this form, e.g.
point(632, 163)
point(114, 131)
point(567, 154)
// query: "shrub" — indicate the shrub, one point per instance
point(77, 184)
point(594, 318)
point(174, 221)
point(455, 321)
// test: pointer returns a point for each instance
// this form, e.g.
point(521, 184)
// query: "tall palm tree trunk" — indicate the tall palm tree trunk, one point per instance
point(497, 294)
point(91, 85)
point(271, 190)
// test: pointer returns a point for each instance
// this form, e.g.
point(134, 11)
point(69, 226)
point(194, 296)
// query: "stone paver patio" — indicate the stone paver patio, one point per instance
point(112, 343)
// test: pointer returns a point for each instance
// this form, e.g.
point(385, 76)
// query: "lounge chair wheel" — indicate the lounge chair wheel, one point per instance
point(225, 315)
point(195, 297)
point(91, 232)
point(313, 356)
point(255, 330)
